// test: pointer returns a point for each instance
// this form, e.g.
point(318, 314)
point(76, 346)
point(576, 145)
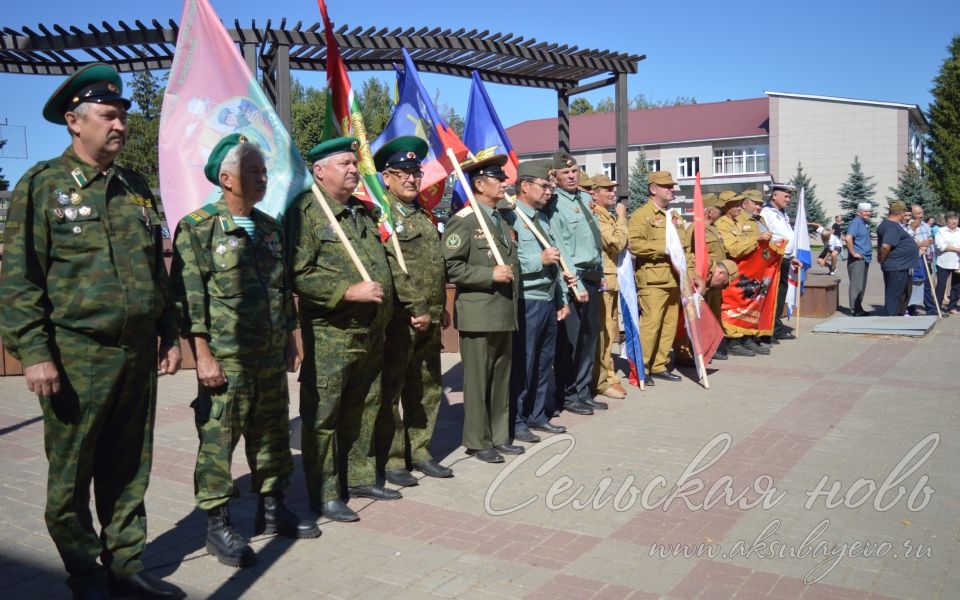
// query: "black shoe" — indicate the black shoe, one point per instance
point(549, 427)
point(401, 477)
point(719, 356)
point(223, 542)
point(509, 449)
point(595, 404)
point(144, 585)
point(738, 349)
point(784, 335)
point(100, 592)
point(336, 510)
point(489, 455)
point(767, 340)
point(432, 468)
point(525, 435)
point(648, 380)
point(376, 492)
point(274, 517)
point(577, 408)
point(667, 376)
point(754, 347)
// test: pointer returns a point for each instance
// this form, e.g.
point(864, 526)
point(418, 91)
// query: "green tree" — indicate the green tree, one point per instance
point(637, 183)
point(307, 106)
point(640, 102)
point(815, 212)
point(913, 187)
point(141, 152)
point(580, 106)
point(605, 105)
point(376, 106)
point(945, 128)
point(4, 183)
point(856, 189)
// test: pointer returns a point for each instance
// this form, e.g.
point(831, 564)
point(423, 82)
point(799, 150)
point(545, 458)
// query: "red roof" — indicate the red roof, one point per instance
point(709, 121)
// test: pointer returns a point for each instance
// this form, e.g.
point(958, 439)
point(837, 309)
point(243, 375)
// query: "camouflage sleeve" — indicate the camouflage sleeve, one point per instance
point(289, 306)
point(301, 250)
point(410, 296)
point(455, 245)
point(168, 325)
point(24, 311)
point(189, 283)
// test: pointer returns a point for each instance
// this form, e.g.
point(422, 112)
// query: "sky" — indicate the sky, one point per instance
point(712, 51)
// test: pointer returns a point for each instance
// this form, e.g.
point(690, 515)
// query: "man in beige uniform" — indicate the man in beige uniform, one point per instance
point(612, 220)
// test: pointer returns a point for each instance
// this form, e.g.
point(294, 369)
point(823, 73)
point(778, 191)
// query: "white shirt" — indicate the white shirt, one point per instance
point(778, 222)
point(946, 237)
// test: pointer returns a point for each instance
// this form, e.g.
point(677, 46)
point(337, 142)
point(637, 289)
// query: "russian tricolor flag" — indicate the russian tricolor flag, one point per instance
point(629, 309)
point(799, 246)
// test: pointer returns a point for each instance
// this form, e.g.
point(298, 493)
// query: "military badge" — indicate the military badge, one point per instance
point(62, 197)
point(234, 242)
point(140, 200)
point(77, 230)
point(453, 241)
point(75, 198)
point(747, 228)
point(412, 155)
point(84, 211)
point(113, 88)
point(489, 253)
point(59, 213)
point(79, 177)
point(221, 249)
point(576, 209)
point(399, 228)
point(71, 212)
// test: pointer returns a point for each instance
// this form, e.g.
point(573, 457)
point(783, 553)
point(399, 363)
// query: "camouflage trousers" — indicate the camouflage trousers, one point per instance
point(100, 428)
point(253, 403)
point(411, 379)
point(339, 402)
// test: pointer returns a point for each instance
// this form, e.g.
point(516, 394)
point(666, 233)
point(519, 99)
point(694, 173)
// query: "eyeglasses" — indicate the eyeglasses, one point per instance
point(404, 175)
point(547, 187)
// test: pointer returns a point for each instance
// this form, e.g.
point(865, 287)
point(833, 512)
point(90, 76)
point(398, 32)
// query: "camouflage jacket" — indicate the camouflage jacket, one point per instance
point(231, 289)
point(83, 252)
point(422, 289)
point(321, 270)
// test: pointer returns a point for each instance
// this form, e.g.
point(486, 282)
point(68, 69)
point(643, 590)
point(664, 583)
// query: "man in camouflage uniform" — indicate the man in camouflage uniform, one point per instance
point(238, 312)
point(343, 319)
point(411, 376)
point(85, 296)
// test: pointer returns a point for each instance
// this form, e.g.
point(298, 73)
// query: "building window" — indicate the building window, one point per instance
point(688, 167)
point(610, 170)
point(728, 161)
point(653, 165)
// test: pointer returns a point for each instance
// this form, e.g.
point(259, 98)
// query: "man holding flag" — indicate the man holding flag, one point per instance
point(774, 213)
point(800, 248)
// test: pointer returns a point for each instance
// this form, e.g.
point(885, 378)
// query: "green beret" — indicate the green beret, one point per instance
point(535, 168)
point(404, 152)
point(219, 152)
point(334, 146)
point(96, 82)
point(562, 160)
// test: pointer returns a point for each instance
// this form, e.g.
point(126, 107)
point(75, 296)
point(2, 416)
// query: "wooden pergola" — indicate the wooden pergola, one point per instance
point(274, 51)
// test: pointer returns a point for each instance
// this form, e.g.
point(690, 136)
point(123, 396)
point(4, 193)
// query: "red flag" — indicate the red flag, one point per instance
point(701, 258)
point(749, 302)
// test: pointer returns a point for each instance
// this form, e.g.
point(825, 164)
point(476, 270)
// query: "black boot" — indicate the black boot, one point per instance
point(227, 545)
point(274, 517)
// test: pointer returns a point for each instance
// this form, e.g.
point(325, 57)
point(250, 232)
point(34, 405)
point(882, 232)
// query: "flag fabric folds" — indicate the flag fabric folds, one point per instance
point(344, 118)
point(700, 253)
point(629, 309)
point(210, 94)
point(749, 303)
point(799, 247)
point(415, 114)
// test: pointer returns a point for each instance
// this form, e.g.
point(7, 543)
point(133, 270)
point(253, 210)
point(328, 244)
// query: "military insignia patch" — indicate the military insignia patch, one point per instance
point(75, 198)
point(77, 230)
point(59, 213)
point(71, 212)
point(234, 242)
point(139, 200)
point(62, 197)
point(453, 241)
point(79, 177)
point(84, 211)
point(399, 227)
point(221, 249)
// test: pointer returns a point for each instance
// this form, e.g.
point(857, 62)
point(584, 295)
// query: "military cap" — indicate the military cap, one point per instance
point(782, 187)
point(601, 180)
point(404, 152)
point(713, 200)
point(728, 197)
point(731, 267)
point(562, 160)
point(535, 168)
point(491, 167)
point(219, 152)
point(752, 195)
point(334, 146)
point(661, 178)
point(897, 206)
point(96, 82)
point(586, 181)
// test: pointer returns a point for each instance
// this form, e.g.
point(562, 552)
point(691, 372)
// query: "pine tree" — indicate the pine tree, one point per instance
point(913, 187)
point(142, 151)
point(945, 129)
point(580, 106)
point(815, 212)
point(637, 183)
point(858, 188)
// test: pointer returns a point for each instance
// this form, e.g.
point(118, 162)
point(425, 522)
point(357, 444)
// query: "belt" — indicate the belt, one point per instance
point(591, 275)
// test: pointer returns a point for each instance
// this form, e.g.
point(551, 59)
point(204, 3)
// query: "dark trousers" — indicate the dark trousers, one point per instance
point(577, 339)
point(534, 348)
point(942, 276)
point(781, 296)
point(857, 270)
point(929, 304)
point(896, 291)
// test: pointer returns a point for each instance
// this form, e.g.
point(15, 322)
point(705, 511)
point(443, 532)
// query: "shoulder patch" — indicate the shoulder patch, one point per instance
point(453, 241)
point(32, 171)
point(466, 211)
point(201, 214)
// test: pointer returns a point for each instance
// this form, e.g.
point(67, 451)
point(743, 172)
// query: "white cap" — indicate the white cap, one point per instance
point(864, 206)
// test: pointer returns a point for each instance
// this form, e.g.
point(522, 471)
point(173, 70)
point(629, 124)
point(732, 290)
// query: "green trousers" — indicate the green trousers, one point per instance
point(99, 428)
point(411, 378)
point(486, 388)
point(339, 402)
point(253, 403)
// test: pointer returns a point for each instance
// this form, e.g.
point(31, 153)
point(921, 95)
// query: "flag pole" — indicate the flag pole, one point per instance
point(543, 242)
point(703, 370)
point(483, 223)
point(933, 290)
point(396, 248)
point(340, 234)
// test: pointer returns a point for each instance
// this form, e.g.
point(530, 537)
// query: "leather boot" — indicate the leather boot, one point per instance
point(274, 517)
point(227, 545)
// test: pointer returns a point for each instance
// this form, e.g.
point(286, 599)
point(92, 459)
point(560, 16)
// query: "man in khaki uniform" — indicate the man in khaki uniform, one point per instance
point(612, 220)
point(714, 295)
point(657, 287)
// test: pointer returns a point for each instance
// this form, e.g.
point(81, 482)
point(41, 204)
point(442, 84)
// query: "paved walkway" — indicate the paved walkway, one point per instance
point(841, 409)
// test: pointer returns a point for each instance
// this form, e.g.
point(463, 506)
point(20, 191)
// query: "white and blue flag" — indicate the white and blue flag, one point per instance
point(799, 247)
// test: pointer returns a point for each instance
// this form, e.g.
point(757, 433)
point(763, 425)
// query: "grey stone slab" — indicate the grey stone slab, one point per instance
point(908, 326)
